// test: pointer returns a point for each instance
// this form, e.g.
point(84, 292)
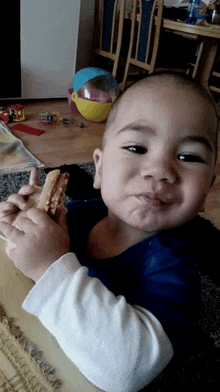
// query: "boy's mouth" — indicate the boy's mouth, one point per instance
point(153, 200)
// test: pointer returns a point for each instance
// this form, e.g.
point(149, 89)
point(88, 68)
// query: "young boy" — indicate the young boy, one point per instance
point(117, 284)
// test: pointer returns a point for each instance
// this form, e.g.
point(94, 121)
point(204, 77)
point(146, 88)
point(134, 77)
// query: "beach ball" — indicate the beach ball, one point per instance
point(94, 91)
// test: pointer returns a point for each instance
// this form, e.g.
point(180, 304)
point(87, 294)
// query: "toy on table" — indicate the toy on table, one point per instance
point(50, 117)
point(94, 91)
point(17, 112)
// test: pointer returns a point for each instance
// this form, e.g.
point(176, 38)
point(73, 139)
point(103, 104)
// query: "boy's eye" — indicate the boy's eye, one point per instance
point(136, 149)
point(190, 158)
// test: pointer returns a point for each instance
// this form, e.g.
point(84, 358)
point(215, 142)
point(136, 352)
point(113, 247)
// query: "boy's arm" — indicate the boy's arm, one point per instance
point(118, 347)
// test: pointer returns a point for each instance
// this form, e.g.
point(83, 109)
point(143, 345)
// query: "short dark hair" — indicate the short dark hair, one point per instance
point(180, 79)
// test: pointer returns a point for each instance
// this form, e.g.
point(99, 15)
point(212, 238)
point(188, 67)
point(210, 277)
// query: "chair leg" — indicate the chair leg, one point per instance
point(115, 67)
point(123, 83)
point(199, 55)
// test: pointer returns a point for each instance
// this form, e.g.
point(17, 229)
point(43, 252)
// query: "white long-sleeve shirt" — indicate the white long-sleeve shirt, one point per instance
point(117, 347)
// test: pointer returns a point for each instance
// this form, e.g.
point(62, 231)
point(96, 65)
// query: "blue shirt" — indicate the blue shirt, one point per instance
point(159, 273)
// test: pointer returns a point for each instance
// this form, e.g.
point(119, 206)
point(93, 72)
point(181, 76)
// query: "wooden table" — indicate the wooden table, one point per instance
point(14, 287)
point(208, 36)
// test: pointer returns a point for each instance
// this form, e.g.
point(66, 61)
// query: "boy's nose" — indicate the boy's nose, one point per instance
point(160, 170)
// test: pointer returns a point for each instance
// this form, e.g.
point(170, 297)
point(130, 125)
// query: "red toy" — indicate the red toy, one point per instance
point(27, 129)
point(4, 116)
point(17, 112)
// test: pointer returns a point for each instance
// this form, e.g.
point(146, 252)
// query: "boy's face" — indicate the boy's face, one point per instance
point(158, 161)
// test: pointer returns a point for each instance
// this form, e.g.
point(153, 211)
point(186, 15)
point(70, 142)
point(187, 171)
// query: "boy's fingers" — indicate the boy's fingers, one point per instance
point(25, 224)
point(7, 208)
point(18, 201)
point(26, 190)
point(8, 212)
point(37, 216)
point(11, 232)
point(34, 177)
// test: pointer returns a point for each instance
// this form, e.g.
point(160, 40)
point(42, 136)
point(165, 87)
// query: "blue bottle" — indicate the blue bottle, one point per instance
point(195, 12)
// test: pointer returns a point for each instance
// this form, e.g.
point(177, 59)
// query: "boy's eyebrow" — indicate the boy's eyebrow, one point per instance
point(199, 139)
point(135, 127)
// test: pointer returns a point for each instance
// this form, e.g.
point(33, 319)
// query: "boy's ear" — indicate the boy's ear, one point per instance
point(97, 157)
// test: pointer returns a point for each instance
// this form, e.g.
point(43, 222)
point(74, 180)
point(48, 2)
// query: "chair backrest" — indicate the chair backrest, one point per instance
point(109, 21)
point(146, 20)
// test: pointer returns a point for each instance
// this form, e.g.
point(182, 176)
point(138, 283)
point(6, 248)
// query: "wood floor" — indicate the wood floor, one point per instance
point(59, 144)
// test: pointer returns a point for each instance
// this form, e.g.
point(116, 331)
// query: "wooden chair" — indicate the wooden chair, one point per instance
point(144, 36)
point(215, 75)
point(109, 21)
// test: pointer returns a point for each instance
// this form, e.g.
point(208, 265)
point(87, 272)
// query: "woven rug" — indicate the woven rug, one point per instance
point(14, 157)
point(22, 367)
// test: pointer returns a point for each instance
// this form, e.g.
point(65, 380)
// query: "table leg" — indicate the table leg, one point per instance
point(206, 62)
point(201, 47)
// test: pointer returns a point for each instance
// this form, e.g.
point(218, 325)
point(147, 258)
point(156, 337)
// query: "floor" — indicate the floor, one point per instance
point(59, 144)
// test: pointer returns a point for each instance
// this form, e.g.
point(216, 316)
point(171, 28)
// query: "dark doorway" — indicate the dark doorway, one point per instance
point(10, 58)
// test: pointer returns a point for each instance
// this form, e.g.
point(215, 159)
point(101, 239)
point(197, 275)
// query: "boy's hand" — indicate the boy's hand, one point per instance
point(17, 202)
point(39, 243)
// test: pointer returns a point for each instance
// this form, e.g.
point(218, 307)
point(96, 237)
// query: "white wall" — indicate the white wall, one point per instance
point(85, 34)
point(49, 40)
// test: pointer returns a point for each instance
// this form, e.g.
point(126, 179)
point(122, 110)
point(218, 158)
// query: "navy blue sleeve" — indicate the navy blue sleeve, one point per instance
point(164, 281)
